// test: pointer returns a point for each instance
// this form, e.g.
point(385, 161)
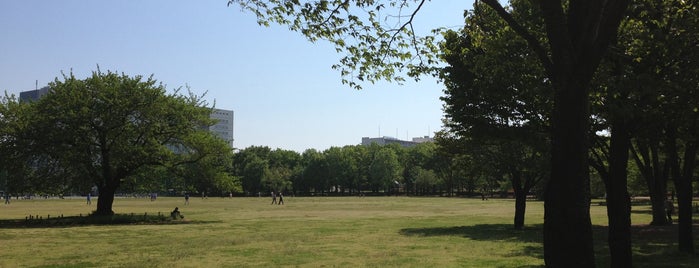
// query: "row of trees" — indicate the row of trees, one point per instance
point(355, 169)
point(643, 100)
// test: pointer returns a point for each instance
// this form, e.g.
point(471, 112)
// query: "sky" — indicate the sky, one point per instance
point(280, 86)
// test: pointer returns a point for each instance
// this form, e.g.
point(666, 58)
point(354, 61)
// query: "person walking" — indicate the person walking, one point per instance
point(274, 198)
point(281, 199)
point(89, 197)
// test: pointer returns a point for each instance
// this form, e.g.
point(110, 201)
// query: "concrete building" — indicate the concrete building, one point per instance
point(224, 127)
point(33, 95)
point(389, 140)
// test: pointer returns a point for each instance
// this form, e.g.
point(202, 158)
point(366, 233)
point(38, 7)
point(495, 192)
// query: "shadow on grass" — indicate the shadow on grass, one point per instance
point(491, 232)
point(652, 246)
point(79, 221)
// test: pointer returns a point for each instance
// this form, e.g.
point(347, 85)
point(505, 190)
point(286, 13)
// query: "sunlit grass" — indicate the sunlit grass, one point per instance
point(306, 232)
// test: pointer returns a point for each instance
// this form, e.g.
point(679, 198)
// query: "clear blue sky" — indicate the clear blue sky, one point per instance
point(281, 87)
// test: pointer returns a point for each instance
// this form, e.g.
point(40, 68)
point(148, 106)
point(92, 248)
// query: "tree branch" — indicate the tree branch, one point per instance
point(412, 31)
point(524, 33)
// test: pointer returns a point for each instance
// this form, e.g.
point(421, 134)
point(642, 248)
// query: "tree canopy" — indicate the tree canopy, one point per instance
point(109, 129)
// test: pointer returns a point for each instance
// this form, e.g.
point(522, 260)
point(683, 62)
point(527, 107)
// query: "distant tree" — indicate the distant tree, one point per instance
point(315, 173)
point(426, 181)
point(211, 174)
point(107, 128)
point(357, 181)
point(277, 179)
point(384, 169)
point(341, 167)
point(284, 168)
point(421, 156)
point(250, 164)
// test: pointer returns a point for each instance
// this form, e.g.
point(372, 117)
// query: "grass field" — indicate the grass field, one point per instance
point(310, 232)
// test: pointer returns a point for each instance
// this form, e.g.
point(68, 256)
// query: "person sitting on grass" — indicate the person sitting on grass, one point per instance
point(176, 214)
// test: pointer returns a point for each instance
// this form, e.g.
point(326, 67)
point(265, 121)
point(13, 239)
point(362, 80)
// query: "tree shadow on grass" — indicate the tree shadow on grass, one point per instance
point(79, 221)
point(652, 246)
point(491, 232)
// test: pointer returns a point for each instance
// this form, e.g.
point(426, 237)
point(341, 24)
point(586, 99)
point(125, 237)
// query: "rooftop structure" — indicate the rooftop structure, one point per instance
point(389, 140)
point(33, 95)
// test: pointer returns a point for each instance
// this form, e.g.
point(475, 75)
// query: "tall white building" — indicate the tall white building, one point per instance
point(224, 127)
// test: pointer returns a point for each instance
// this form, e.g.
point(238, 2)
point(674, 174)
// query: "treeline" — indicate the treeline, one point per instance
point(356, 169)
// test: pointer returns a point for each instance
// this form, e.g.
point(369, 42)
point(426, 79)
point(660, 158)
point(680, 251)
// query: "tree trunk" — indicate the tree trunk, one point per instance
point(657, 200)
point(655, 174)
point(683, 185)
point(618, 203)
point(105, 201)
point(567, 224)
point(520, 208)
point(684, 214)
point(520, 199)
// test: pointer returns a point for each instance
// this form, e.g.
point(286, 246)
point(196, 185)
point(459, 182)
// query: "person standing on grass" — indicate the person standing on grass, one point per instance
point(281, 199)
point(7, 199)
point(89, 202)
point(274, 198)
point(186, 199)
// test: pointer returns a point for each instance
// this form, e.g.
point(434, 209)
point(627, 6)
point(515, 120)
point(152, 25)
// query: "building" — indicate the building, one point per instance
point(224, 125)
point(389, 140)
point(33, 95)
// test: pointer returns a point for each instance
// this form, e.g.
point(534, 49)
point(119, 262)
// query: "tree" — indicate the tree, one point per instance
point(578, 34)
point(658, 39)
point(108, 127)
point(496, 100)
point(315, 171)
point(250, 165)
point(342, 167)
point(284, 167)
point(383, 169)
point(425, 181)
point(422, 156)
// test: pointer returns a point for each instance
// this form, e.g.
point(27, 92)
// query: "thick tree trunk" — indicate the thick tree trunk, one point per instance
point(105, 201)
point(657, 201)
point(618, 203)
point(683, 185)
point(520, 208)
point(567, 224)
point(520, 199)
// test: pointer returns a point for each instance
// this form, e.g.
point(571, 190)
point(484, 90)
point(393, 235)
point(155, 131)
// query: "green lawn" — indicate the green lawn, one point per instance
point(309, 232)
